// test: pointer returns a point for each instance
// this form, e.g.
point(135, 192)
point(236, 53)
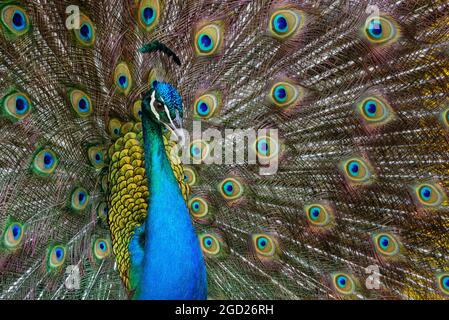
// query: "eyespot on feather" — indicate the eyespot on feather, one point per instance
point(284, 23)
point(381, 30)
point(429, 195)
point(85, 34)
point(213, 244)
point(319, 214)
point(115, 128)
point(386, 244)
point(207, 105)
point(45, 162)
point(231, 189)
point(264, 246)
point(97, 157)
point(284, 94)
point(343, 283)
point(199, 150)
point(101, 249)
point(149, 13)
point(16, 106)
point(443, 282)
point(15, 20)
point(375, 110)
point(357, 170)
point(79, 199)
point(56, 256)
point(208, 39)
point(123, 78)
point(13, 235)
point(80, 102)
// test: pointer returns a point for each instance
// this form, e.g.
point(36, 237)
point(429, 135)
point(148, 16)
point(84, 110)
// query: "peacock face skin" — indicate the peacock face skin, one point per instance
point(163, 104)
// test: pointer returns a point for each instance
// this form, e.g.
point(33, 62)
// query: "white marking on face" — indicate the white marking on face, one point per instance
point(153, 109)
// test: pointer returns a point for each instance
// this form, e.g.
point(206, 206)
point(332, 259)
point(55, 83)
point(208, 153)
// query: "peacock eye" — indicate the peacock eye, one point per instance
point(198, 207)
point(375, 110)
point(231, 189)
point(114, 128)
point(386, 244)
point(17, 106)
point(159, 106)
point(101, 249)
point(122, 78)
point(149, 13)
point(429, 195)
point(56, 256)
point(208, 39)
point(15, 19)
point(284, 94)
point(80, 102)
point(45, 162)
point(211, 243)
point(85, 35)
point(343, 283)
point(264, 245)
point(357, 170)
point(207, 105)
point(266, 147)
point(13, 236)
point(443, 283)
point(102, 211)
point(97, 156)
point(189, 176)
point(79, 199)
point(284, 23)
point(381, 30)
point(318, 214)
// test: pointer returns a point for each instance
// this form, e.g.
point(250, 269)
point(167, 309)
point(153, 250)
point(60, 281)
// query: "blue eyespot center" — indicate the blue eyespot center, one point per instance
point(196, 206)
point(82, 198)
point(117, 131)
point(228, 188)
point(203, 108)
point(19, 20)
point(341, 281)
point(16, 230)
point(208, 242)
point(445, 282)
point(375, 29)
point(262, 242)
point(280, 94)
point(86, 32)
point(59, 253)
point(196, 151)
point(98, 157)
point(83, 105)
point(102, 246)
point(48, 160)
point(280, 23)
point(384, 242)
point(205, 42)
point(425, 193)
point(370, 108)
point(123, 81)
point(148, 15)
point(263, 147)
point(354, 168)
point(315, 213)
point(21, 105)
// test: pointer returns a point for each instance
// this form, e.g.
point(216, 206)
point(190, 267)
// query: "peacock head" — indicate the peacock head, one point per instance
point(163, 105)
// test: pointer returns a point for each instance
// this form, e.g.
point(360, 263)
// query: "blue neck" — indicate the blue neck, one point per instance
point(172, 265)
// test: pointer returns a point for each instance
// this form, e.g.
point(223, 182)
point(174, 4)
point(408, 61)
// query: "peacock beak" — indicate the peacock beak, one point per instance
point(176, 127)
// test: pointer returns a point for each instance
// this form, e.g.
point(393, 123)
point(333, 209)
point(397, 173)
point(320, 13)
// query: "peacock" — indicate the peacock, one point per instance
point(333, 183)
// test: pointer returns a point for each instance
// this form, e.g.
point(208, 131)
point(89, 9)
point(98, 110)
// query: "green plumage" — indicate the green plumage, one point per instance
point(360, 105)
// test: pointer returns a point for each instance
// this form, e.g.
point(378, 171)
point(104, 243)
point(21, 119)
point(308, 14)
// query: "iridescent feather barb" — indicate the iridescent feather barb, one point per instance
point(87, 177)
